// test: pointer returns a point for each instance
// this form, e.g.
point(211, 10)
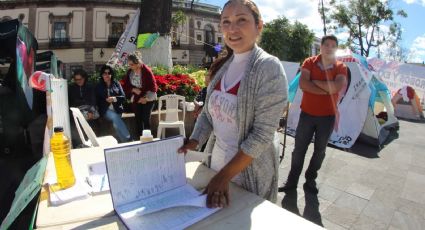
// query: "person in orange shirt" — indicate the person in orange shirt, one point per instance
point(322, 77)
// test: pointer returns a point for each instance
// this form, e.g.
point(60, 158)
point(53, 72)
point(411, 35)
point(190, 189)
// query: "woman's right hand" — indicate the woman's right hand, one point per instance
point(136, 91)
point(191, 144)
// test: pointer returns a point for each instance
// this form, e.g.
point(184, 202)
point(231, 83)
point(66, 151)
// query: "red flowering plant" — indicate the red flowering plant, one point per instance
point(180, 84)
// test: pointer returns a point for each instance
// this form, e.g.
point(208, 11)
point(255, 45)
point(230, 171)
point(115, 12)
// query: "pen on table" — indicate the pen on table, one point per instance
point(88, 181)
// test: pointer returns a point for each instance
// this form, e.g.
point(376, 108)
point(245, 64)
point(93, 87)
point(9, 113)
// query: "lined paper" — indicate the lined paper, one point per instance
point(149, 189)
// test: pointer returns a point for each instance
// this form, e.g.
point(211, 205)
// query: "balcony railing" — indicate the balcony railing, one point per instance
point(59, 43)
point(197, 6)
point(113, 40)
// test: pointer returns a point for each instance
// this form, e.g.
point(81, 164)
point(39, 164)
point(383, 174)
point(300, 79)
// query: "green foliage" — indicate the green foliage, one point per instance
point(178, 18)
point(160, 70)
point(94, 78)
point(120, 72)
point(181, 69)
point(199, 77)
point(288, 42)
point(361, 19)
point(177, 21)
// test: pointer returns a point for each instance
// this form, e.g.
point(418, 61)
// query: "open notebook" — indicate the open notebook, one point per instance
point(149, 189)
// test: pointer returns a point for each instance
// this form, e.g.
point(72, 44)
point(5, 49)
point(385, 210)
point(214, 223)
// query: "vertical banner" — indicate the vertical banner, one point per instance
point(397, 75)
point(126, 43)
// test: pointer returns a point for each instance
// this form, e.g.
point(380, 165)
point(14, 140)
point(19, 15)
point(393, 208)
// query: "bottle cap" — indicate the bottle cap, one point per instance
point(58, 129)
point(146, 133)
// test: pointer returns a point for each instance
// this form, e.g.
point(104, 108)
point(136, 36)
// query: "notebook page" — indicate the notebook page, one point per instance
point(175, 218)
point(181, 196)
point(141, 171)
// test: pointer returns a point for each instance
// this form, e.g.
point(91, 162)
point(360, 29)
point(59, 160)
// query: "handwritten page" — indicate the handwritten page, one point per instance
point(140, 171)
point(176, 218)
point(148, 186)
point(181, 196)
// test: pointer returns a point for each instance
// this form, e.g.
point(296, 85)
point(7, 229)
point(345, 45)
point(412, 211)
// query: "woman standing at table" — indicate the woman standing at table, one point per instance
point(245, 98)
point(140, 87)
point(110, 98)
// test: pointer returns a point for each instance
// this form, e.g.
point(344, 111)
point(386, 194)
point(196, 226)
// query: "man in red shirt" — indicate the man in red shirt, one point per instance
point(322, 77)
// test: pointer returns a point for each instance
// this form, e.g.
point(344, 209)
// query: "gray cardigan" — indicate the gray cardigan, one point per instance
point(262, 96)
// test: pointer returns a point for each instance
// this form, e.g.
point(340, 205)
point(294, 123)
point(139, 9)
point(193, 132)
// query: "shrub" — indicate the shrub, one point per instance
point(199, 77)
point(180, 84)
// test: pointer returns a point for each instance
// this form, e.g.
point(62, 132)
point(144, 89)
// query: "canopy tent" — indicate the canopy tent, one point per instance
point(359, 103)
point(396, 75)
point(406, 104)
point(291, 69)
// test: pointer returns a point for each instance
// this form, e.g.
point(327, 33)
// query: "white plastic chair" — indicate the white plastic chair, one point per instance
point(171, 114)
point(93, 140)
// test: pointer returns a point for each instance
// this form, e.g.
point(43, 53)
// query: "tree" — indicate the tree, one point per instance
point(322, 10)
point(177, 21)
point(361, 19)
point(393, 49)
point(288, 42)
point(155, 17)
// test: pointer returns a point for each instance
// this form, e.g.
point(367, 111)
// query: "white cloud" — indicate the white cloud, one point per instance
point(415, 1)
point(417, 50)
point(304, 11)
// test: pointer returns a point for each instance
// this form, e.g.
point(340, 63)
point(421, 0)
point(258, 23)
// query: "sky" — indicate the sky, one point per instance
point(305, 11)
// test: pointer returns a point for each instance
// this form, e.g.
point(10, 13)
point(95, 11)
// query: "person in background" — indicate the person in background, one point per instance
point(110, 98)
point(245, 97)
point(140, 87)
point(322, 78)
point(81, 94)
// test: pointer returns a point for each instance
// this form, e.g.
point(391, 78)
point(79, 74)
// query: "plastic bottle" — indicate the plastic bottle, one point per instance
point(60, 147)
point(147, 136)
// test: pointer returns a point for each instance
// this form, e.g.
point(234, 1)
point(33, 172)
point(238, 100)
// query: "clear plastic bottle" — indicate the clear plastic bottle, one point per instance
point(146, 136)
point(60, 147)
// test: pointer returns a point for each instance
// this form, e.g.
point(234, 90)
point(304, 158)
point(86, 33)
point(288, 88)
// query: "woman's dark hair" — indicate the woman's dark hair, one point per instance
point(228, 52)
point(102, 70)
point(82, 73)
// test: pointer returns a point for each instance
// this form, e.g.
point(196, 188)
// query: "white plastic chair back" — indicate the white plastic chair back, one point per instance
point(172, 102)
point(81, 122)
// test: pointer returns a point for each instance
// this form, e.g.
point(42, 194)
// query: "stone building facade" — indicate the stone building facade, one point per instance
point(83, 34)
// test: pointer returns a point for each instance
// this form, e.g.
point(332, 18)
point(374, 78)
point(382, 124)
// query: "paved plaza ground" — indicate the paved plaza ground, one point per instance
point(365, 187)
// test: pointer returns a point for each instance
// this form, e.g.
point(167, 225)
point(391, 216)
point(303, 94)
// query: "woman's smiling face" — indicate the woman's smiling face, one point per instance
point(239, 28)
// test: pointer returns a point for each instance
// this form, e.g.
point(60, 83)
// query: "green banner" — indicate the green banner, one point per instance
point(27, 190)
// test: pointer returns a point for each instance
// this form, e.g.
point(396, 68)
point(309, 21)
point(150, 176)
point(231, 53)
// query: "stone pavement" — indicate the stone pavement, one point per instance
point(364, 187)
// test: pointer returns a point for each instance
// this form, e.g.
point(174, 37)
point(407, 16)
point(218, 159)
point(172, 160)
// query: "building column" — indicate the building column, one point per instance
point(32, 18)
point(88, 49)
point(191, 31)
